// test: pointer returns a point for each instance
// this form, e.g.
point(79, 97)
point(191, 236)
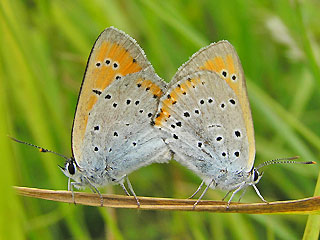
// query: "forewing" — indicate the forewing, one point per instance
point(115, 54)
point(222, 58)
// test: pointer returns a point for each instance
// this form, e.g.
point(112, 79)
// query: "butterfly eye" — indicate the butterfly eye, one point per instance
point(71, 168)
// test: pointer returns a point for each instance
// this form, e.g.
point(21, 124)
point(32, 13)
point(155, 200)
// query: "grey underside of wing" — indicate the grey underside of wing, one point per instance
point(114, 35)
point(199, 146)
point(199, 58)
point(119, 126)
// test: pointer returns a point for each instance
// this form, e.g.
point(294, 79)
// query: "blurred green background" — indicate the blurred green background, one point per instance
point(44, 48)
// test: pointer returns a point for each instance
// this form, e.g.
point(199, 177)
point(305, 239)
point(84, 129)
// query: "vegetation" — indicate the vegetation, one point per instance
point(44, 48)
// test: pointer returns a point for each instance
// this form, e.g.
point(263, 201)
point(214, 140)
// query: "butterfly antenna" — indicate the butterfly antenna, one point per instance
point(283, 161)
point(43, 150)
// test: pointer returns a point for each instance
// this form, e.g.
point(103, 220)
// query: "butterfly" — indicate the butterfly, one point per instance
point(112, 133)
point(206, 121)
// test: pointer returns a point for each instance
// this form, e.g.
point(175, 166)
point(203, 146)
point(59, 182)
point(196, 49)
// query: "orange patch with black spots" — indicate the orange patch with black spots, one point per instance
point(172, 99)
point(100, 75)
point(151, 87)
point(218, 64)
point(104, 74)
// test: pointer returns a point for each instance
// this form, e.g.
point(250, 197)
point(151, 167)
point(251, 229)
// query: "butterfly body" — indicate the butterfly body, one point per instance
point(206, 120)
point(112, 132)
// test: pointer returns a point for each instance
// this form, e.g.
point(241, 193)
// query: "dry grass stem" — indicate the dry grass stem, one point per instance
point(301, 206)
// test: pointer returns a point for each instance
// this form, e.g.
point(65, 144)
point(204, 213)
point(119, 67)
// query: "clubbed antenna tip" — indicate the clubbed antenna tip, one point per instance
point(284, 161)
point(40, 148)
point(311, 162)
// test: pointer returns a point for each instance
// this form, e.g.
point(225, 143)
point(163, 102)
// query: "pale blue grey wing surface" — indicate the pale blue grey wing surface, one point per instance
point(204, 127)
point(120, 137)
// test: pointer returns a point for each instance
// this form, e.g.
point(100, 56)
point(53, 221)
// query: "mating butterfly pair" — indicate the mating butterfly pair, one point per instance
point(127, 117)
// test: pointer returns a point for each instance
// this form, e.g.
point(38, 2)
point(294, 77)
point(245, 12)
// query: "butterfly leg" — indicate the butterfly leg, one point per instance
point(124, 188)
point(95, 190)
point(70, 188)
point(242, 194)
point(259, 194)
point(234, 193)
point(203, 193)
point(225, 196)
point(71, 185)
point(120, 182)
point(132, 191)
point(197, 190)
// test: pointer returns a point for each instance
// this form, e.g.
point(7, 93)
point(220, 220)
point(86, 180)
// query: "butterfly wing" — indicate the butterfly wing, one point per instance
point(201, 116)
point(119, 134)
point(223, 59)
point(115, 54)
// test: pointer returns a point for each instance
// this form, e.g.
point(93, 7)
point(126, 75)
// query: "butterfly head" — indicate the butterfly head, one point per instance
point(72, 170)
point(255, 176)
